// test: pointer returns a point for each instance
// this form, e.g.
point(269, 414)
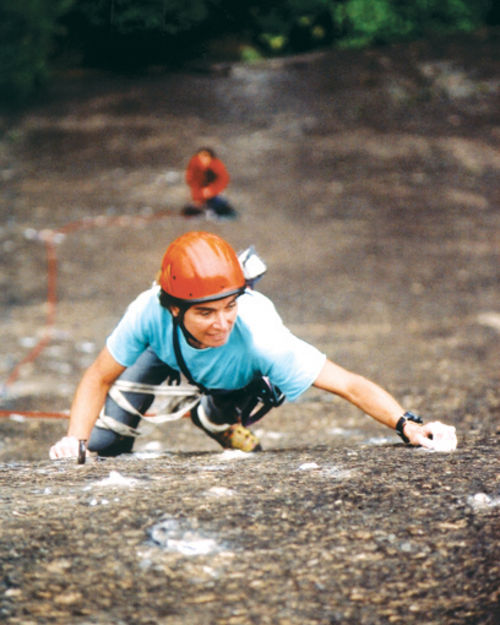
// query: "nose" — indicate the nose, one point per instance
point(221, 321)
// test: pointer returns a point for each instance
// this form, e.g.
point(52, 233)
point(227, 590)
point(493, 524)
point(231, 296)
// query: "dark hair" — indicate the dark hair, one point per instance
point(167, 301)
point(207, 150)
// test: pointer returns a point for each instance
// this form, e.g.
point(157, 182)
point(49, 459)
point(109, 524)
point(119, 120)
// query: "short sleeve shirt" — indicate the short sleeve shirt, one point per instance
point(259, 345)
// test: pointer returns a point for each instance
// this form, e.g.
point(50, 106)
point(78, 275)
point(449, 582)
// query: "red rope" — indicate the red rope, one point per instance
point(50, 239)
point(51, 312)
point(34, 413)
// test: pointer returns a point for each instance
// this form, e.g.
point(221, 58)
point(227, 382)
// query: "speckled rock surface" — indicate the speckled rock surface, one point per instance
point(368, 181)
point(322, 535)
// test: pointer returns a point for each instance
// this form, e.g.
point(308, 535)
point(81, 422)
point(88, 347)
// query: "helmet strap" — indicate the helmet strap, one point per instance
point(178, 323)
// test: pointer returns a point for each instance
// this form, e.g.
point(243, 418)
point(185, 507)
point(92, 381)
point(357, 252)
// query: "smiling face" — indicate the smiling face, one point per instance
point(210, 323)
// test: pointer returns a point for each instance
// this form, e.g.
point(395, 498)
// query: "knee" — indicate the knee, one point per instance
point(219, 411)
point(108, 443)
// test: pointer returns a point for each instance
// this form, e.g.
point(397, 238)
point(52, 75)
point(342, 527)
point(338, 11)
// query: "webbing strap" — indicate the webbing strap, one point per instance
point(105, 422)
point(172, 390)
point(183, 398)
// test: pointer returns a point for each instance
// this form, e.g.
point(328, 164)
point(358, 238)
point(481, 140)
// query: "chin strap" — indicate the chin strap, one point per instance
point(178, 352)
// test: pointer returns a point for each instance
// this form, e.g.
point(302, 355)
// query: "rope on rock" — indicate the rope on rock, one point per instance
point(52, 238)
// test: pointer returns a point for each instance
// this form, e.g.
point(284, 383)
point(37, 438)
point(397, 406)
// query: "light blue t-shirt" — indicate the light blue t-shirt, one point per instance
point(259, 344)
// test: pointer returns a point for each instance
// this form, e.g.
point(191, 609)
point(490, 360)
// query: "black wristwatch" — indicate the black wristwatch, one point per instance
point(408, 416)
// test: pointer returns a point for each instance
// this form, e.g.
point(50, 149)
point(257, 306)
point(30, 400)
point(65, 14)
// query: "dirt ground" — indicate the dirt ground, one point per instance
point(368, 182)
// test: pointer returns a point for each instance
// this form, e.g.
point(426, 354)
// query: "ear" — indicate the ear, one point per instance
point(175, 310)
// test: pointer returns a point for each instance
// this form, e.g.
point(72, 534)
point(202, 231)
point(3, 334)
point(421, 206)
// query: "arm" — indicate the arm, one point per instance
point(379, 404)
point(87, 403)
point(221, 179)
point(194, 179)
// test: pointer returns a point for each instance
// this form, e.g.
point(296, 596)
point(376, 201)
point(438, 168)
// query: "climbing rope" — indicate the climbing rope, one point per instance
point(51, 238)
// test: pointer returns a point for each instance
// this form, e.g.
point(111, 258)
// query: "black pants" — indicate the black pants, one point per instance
point(220, 406)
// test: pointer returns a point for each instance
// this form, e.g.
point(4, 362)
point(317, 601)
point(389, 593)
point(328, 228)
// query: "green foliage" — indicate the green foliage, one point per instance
point(366, 22)
point(250, 55)
point(292, 25)
point(132, 33)
point(27, 30)
point(271, 29)
point(131, 16)
point(181, 16)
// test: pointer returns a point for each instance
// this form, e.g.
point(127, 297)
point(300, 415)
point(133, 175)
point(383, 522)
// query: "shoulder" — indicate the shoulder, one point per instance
point(257, 313)
point(216, 163)
point(146, 299)
point(146, 308)
point(194, 162)
point(253, 303)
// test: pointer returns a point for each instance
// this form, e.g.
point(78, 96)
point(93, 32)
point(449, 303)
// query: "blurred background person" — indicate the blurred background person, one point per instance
point(207, 177)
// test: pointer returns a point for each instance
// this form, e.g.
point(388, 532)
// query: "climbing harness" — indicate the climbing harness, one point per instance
point(177, 401)
point(257, 399)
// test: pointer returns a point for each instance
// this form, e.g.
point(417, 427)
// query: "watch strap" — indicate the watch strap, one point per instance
point(408, 416)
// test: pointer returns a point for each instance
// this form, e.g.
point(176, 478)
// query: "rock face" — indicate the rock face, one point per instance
point(368, 182)
point(313, 534)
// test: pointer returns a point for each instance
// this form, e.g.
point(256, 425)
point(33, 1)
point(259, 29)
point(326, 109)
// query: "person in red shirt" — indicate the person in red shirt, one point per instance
point(207, 177)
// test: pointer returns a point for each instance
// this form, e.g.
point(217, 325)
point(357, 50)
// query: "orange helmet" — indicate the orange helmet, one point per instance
point(200, 267)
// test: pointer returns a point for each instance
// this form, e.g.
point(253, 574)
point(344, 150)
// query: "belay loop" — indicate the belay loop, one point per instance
point(267, 394)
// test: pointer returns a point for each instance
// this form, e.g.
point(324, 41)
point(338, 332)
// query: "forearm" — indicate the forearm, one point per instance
point(221, 179)
point(91, 394)
point(374, 401)
point(363, 393)
point(382, 406)
point(87, 403)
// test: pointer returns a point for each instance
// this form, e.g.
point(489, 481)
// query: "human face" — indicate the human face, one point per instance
point(205, 158)
point(211, 322)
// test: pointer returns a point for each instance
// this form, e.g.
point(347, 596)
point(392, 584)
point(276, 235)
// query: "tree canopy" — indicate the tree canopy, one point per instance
point(128, 34)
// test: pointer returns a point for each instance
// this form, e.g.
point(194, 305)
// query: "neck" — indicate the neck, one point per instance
point(179, 321)
point(190, 338)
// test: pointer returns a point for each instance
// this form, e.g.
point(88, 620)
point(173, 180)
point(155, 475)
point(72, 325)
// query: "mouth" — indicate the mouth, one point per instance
point(219, 337)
